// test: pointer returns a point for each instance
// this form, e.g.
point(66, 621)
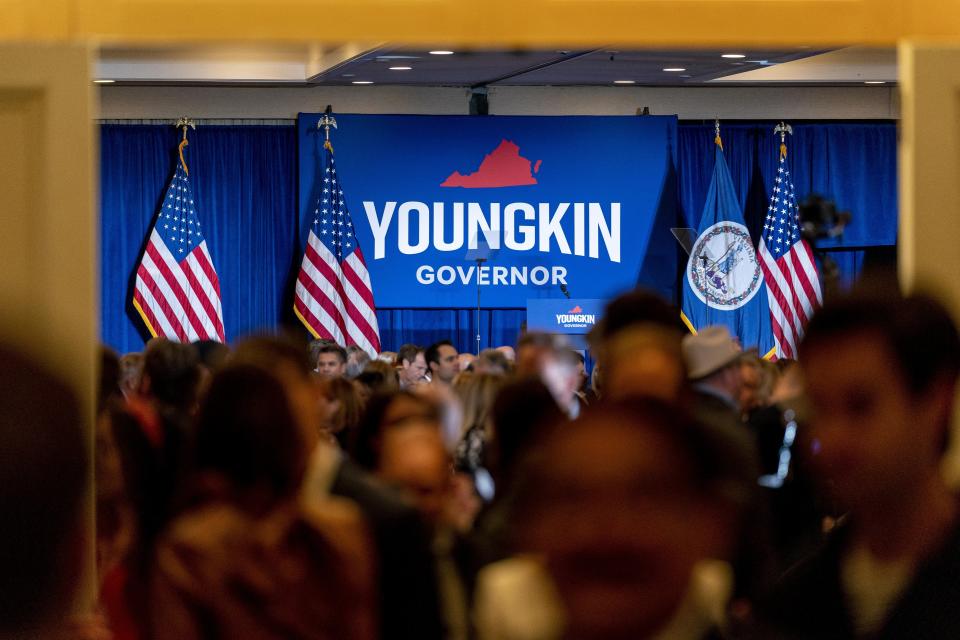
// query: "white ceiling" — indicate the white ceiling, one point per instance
point(288, 65)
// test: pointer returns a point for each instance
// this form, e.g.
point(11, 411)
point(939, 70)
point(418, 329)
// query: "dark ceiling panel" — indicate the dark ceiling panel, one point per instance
point(549, 67)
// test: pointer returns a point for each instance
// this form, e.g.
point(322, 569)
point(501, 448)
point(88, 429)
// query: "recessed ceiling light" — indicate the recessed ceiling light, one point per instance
point(441, 52)
point(624, 82)
point(875, 82)
point(674, 69)
point(734, 56)
point(400, 68)
point(363, 82)
point(104, 81)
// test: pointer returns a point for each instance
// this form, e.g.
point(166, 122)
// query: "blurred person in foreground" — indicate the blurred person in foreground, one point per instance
point(714, 372)
point(143, 453)
point(524, 412)
point(477, 394)
point(377, 377)
point(637, 307)
point(247, 559)
point(756, 383)
point(406, 594)
point(465, 362)
point(341, 411)
point(643, 361)
point(131, 370)
point(637, 313)
point(493, 361)
point(625, 519)
point(413, 458)
point(43, 477)
point(211, 354)
point(170, 380)
point(550, 358)
point(772, 414)
point(881, 374)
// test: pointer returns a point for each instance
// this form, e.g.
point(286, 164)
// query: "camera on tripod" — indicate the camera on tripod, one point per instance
point(820, 219)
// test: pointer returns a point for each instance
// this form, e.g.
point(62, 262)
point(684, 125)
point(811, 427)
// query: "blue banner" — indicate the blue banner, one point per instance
point(523, 207)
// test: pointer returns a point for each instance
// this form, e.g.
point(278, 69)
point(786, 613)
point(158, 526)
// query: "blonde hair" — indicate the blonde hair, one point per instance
point(477, 392)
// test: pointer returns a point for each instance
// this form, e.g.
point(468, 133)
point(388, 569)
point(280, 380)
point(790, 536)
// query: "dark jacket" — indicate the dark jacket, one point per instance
point(409, 601)
point(809, 601)
point(294, 573)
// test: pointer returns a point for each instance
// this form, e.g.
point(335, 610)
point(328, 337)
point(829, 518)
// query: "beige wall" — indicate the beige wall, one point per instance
point(789, 103)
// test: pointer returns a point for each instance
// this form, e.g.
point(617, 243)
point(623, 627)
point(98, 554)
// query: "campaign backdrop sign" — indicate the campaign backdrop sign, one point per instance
point(548, 203)
point(575, 316)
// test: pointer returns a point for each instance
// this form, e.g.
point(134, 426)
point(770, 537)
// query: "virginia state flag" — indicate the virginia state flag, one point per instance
point(723, 282)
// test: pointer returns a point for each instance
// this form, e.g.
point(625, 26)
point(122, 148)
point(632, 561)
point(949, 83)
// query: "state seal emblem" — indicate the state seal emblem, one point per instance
point(723, 270)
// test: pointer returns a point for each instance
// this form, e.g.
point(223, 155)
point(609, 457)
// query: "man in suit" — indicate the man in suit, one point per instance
point(713, 368)
point(881, 373)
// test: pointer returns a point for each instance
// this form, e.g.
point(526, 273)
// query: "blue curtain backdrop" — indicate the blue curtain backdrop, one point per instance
point(245, 182)
point(852, 163)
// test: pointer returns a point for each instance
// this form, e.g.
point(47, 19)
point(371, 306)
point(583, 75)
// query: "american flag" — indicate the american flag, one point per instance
point(334, 298)
point(177, 292)
point(790, 272)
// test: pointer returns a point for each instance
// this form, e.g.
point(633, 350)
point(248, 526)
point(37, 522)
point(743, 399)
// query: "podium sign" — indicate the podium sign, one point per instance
point(574, 316)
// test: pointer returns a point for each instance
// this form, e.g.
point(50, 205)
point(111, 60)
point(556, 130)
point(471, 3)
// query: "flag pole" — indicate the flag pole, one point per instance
point(325, 123)
point(783, 130)
point(183, 123)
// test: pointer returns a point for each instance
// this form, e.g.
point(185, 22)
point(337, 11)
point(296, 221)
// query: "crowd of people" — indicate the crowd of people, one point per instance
point(683, 488)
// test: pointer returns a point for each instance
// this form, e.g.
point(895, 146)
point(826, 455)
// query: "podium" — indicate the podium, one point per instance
point(570, 317)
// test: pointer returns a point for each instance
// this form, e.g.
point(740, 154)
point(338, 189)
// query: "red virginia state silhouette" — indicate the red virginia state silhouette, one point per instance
point(505, 167)
point(576, 309)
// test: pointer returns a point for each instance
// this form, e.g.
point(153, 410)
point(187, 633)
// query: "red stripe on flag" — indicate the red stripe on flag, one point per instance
point(319, 328)
point(358, 284)
point(147, 312)
point(177, 290)
point(325, 303)
point(774, 290)
point(363, 324)
point(781, 339)
point(200, 294)
point(161, 301)
point(815, 281)
point(803, 278)
point(327, 273)
point(207, 267)
point(799, 318)
point(349, 308)
point(354, 279)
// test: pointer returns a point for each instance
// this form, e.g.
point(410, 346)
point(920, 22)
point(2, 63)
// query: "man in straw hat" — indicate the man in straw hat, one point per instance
point(713, 367)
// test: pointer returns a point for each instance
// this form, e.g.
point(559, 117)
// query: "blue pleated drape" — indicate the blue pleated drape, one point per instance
point(245, 182)
point(851, 163)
